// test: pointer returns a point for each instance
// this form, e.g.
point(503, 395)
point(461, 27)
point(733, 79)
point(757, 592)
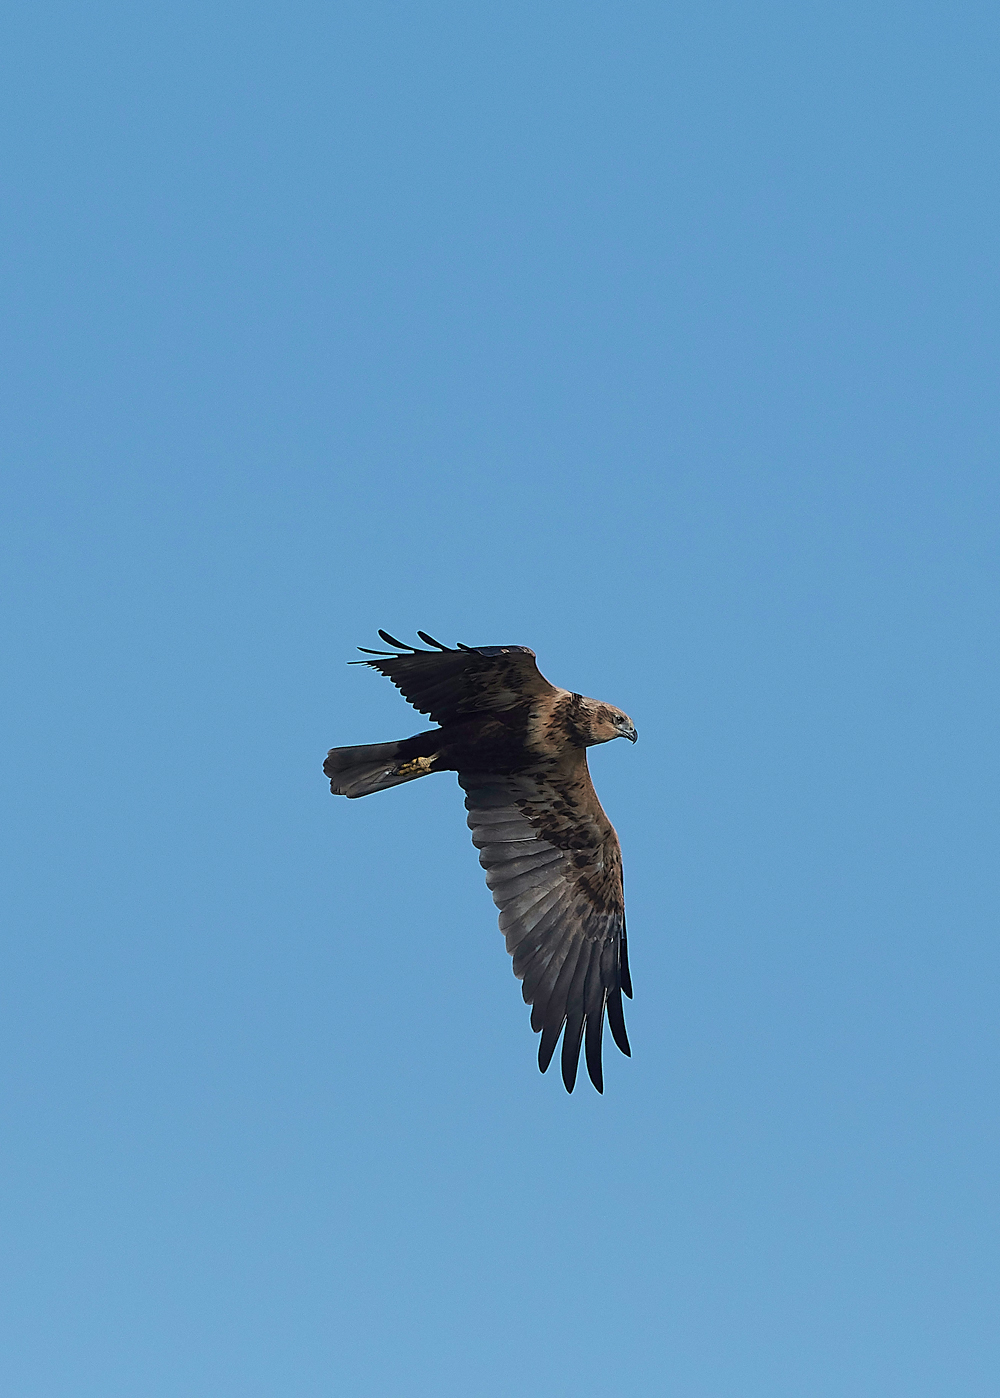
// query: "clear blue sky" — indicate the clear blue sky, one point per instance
point(661, 338)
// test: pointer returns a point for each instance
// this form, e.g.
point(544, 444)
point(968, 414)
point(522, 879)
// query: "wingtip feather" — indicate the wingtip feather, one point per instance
point(571, 1050)
point(595, 1034)
point(401, 645)
point(616, 1023)
point(547, 1047)
point(623, 970)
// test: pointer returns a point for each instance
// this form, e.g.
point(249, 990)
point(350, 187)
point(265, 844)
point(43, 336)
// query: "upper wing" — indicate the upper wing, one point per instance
point(445, 683)
point(554, 866)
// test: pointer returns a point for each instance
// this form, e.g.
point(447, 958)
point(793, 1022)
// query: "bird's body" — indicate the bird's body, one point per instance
point(552, 859)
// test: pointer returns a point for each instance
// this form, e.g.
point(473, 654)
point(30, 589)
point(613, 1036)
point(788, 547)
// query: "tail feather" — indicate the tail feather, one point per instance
point(358, 771)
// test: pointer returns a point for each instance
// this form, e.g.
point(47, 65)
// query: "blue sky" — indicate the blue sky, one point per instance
point(661, 339)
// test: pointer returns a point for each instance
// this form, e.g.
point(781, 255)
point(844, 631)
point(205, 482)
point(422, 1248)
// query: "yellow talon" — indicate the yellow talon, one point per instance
point(417, 767)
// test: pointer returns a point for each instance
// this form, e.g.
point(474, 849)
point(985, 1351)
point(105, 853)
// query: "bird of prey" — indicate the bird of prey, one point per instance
point(552, 858)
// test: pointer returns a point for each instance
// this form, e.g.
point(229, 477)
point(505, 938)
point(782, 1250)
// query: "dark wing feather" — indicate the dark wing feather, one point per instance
point(553, 865)
point(446, 683)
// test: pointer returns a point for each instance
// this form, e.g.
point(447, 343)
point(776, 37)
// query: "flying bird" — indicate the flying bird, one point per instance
point(552, 858)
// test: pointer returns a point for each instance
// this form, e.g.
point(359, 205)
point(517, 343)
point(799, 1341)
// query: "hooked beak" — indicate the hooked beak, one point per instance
point(631, 735)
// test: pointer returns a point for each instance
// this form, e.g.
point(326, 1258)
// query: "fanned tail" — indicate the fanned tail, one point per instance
point(358, 771)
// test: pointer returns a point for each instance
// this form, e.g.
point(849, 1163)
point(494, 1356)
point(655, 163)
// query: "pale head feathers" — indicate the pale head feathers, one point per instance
point(602, 722)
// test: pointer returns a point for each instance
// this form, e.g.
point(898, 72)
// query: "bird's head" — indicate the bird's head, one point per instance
point(607, 722)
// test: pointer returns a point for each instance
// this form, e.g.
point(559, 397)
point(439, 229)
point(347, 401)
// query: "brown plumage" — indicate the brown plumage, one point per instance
point(552, 858)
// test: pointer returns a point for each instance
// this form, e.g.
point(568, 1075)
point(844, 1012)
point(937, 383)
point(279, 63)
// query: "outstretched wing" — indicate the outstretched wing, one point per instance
point(553, 865)
point(445, 683)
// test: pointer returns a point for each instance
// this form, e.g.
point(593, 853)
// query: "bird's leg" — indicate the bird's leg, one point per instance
point(416, 767)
